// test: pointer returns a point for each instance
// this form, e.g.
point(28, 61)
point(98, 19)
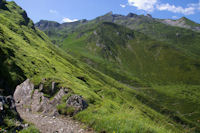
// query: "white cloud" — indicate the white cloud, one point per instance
point(146, 5)
point(199, 5)
point(175, 17)
point(195, 5)
point(123, 6)
point(176, 9)
point(53, 11)
point(151, 5)
point(68, 20)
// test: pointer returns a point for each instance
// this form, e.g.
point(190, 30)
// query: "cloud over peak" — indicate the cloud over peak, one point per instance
point(122, 5)
point(147, 5)
point(176, 9)
point(151, 5)
point(68, 20)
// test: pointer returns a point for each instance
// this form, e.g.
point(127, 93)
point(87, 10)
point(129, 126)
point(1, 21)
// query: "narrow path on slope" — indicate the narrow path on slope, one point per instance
point(47, 124)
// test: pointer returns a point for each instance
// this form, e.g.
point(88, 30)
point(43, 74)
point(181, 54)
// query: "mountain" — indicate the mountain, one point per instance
point(105, 45)
point(158, 60)
point(27, 53)
point(45, 25)
point(154, 28)
point(183, 23)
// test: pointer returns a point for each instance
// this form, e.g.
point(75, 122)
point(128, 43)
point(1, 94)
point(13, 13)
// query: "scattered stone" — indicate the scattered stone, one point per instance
point(81, 131)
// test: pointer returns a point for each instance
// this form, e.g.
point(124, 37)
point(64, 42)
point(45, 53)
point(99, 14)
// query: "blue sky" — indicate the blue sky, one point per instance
point(72, 10)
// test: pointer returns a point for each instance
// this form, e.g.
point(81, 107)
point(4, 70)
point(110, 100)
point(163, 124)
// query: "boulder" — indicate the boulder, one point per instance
point(77, 102)
point(23, 93)
point(31, 99)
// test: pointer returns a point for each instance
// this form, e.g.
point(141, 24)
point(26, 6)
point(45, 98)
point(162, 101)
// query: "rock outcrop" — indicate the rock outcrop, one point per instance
point(33, 100)
point(30, 99)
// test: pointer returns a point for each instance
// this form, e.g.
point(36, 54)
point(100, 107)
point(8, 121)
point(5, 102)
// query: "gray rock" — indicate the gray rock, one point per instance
point(77, 102)
point(9, 101)
point(41, 86)
point(23, 93)
point(131, 15)
point(33, 100)
point(1, 106)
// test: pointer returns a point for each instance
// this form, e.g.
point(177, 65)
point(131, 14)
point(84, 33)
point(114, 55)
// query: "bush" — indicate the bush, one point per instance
point(30, 129)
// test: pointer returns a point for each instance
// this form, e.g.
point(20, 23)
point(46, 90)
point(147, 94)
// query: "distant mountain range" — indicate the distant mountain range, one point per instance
point(124, 20)
point(130, 46)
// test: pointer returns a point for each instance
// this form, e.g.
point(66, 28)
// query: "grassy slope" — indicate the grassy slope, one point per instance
point(135, 59)
point(28, 53)
point(133, 54)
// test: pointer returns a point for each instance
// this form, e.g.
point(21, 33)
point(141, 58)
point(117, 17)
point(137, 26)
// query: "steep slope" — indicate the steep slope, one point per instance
point(151, 27)
point(27, 52)
point(123, 53)
point(136, 59)
point(166, 62)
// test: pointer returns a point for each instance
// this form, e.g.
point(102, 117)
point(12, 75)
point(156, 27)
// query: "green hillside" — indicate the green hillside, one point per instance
point(182, 22)
point(26, 52)
point(124, 54)
point(162, 67)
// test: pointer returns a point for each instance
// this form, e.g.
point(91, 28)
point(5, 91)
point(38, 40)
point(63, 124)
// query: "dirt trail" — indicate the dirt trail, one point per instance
point(47, 124)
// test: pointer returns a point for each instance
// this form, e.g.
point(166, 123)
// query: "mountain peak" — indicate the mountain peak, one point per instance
point(183, 19)
point(109, 13)
point(45, 24)
point(149, 16)
point(131, 15)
